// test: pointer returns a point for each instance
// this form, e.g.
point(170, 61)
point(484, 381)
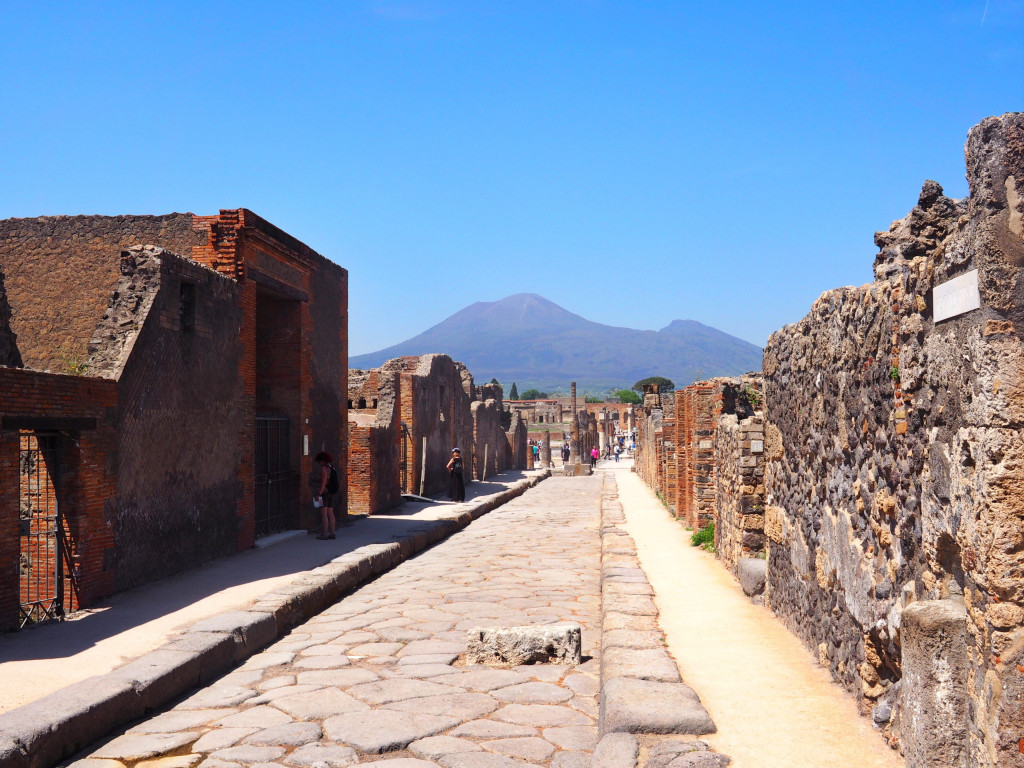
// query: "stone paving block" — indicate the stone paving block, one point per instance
point(572, 737)
point(396, 689)
point(262, 716)
point(511, 646)
point(533, 693)
point(662, 754)
point(626, 638)
point(176, 761)
point(323, 756)
point(641, 663)
point(343, 678)
point(616, 750)
point(645, 706)
point(571, 759)
point(422, 671)
point(323, 662)
point(219, 738)
point(316, 705)
point(404, 762)
point(265, 660)
point(613, 620)
point(433, 747)
point(493, 729)
point(291, 734)
point(481, 760)
point(423, 647)
point(634, 605)
point(524, 748)
point(85, 762)
point(180, 720)
point(611, 587)
point(134, 747)
point(384, 730)
point(541, 715)
point(218, 696)
point(282, 692)
point(248, 754)
point(582, 684)
point(465, 706)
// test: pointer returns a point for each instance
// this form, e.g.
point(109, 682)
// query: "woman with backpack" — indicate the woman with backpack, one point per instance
point(328, 487)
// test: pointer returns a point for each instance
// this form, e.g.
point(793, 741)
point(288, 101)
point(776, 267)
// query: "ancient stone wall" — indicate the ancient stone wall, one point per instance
point(517, 437)
point(490, 444)
point(177, 361)
point(896, 465)
point(740, 492)
point(43, 257)
point(375, 438)
point(9, 354)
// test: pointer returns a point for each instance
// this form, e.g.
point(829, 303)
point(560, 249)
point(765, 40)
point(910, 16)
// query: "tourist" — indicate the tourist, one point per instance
point(593, 457)
point(456, 484)
point(325, 496)
point(565, 452)
point(617, 452)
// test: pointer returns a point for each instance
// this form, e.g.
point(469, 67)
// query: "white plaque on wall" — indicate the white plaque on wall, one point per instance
point(956, 296)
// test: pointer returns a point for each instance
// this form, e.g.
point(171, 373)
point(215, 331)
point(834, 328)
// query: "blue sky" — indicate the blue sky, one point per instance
point(634, 162)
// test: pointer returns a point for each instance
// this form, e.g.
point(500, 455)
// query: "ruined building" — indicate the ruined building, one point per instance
point(406, 417)
point(893, 465)
point(169, 379)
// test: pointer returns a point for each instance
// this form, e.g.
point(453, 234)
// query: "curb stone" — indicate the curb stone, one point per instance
point(641, 691)
point(44, 732)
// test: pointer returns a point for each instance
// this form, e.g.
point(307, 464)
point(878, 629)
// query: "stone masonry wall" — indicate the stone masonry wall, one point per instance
point(179, 413)
point(9, 354)
point(739, 462)
point(42, 257)
point(896, 466)
point(375, 436)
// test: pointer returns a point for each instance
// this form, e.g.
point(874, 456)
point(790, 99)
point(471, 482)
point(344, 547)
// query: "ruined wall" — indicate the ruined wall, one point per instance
point(517, 436)
point(896, 465)
point(42, 257)
point(650, 450)
point(179, 414)
point(489, 451)
point(375, 439)
point(435, 402)
point(83, 411)
point(740, 492)
point(9, 354)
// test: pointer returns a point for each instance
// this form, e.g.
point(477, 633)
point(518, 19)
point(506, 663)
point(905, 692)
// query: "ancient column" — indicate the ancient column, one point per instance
point(545, 449)
point(574, 446)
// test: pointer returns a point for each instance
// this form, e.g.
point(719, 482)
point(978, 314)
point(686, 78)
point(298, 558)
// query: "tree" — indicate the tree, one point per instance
point(534, 394)
point(513, 393)
point(592, 399)
point(664, 385)
point(628, 396)
point(495, 381)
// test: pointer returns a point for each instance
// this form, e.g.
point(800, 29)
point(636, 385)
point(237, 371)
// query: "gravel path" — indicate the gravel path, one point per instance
point(379, 675)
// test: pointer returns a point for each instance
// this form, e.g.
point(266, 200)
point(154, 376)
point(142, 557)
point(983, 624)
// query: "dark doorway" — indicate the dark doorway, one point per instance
point(274, 486)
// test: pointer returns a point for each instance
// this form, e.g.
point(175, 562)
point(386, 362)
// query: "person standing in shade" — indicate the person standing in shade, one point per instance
point(456, 483)
point(565, 452)
point(325, 495)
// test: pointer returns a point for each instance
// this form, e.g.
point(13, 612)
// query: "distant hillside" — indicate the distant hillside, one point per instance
point(533, 342)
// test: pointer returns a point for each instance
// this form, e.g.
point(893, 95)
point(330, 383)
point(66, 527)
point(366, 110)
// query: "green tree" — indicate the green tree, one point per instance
point(628, 396)
point(513, 393)
point(664, 385)
point(592, 399)
point(534, 394)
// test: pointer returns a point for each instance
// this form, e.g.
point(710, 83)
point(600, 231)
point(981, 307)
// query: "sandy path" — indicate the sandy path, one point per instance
point(774, 706)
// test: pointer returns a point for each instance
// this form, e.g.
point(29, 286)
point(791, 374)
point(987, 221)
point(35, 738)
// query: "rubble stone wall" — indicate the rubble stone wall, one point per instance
point(9, 354)
point(895, 459)
point(43, 256)
point(490, 445)
point(375, 436)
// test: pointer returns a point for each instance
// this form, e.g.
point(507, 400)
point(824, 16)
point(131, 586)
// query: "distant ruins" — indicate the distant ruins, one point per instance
point(168, 380)
point(883, 472)
point(406, 416)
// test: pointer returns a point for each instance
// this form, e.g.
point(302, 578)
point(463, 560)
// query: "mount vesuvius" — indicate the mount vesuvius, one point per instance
point(534, 342)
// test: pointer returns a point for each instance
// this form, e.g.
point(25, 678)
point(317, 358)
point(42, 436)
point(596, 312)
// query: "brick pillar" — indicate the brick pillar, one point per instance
point(10, 536)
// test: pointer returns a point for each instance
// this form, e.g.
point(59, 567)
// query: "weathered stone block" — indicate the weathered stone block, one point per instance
point(751, 573)
point(509, 646)
point(933, 695)
point(645, 706)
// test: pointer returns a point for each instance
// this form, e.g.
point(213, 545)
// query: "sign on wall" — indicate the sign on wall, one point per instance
point(957, 296)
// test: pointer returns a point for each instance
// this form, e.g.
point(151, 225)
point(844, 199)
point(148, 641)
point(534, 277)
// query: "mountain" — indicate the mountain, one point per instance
point(533, 342)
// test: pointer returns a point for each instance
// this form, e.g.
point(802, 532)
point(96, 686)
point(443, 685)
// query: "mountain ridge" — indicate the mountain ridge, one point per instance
point(528, 339)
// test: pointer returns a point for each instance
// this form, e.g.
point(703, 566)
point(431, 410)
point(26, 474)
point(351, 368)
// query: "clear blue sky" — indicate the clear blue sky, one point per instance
point(634, 162)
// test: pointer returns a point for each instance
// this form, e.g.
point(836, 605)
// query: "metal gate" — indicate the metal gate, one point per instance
point(44, 549)
point(274, 494)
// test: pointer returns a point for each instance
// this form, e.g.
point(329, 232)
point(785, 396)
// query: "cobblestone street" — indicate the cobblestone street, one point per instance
point(379, 675)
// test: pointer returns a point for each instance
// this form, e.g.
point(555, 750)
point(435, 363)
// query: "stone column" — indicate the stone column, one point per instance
point(933, 695)
point(545, 449)
point(574, 457)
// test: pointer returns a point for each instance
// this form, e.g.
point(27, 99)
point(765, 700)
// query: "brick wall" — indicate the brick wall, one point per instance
point(43, 257)
point(83, 410)
point(375, 442)
point(179, 415)
point(490, 445)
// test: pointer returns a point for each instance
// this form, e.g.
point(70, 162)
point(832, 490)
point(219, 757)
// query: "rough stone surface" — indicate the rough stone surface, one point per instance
point(616, 750)
point(751, 573)
point(626, 707)
point(511, 646)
